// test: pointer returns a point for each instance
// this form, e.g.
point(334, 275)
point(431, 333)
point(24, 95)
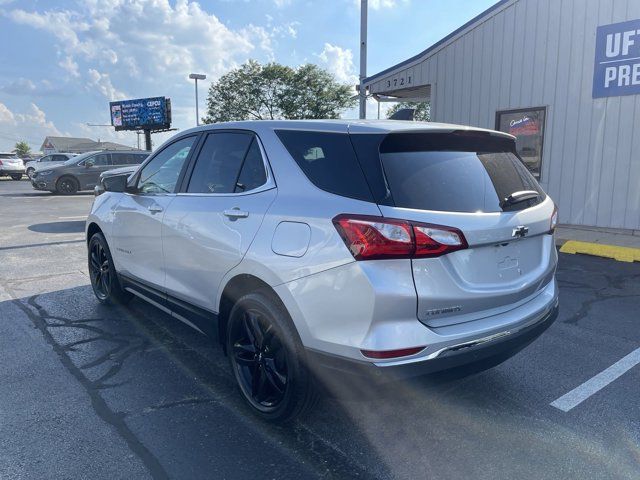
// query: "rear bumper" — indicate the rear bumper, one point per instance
point(11, 171)
point(502, 345)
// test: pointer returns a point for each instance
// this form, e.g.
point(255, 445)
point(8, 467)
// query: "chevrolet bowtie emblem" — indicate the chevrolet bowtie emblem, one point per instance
point(519, 231)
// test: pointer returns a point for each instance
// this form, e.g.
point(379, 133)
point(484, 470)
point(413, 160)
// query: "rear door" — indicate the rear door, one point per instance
point(208, 228)
point(461, 180)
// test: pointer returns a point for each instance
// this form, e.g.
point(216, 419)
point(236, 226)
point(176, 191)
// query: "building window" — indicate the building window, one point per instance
point(527, 125)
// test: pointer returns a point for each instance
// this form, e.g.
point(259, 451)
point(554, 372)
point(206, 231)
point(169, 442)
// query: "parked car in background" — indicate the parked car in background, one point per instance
point(384, 249)
point(47, 161)
point(11, 166)
point(99, 188)
point(83, 171)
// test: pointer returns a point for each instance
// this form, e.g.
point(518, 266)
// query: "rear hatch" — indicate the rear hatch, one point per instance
point(11, 163)
point(462, 180)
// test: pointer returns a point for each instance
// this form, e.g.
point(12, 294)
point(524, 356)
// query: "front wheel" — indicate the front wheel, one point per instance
point(268, 359)
point(67, 186)
point(104, 279)
point(17, 176)
point(30, 171)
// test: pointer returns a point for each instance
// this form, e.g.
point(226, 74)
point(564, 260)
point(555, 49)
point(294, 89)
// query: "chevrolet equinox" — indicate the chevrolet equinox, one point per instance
point(378, 248)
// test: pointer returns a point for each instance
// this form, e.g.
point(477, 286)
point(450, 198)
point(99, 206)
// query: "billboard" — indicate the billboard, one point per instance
point(143, 113)
point(617, 64)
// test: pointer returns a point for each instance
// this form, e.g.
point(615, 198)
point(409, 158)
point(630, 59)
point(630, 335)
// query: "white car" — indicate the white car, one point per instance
point(47, 161)
point(11, 166)
point(307, 248)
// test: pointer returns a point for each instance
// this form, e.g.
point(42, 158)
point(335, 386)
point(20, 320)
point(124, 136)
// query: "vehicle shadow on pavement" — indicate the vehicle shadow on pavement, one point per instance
point(58, 227)
point(169, 392)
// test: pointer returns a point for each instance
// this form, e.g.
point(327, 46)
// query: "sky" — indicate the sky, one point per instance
point(61, 62)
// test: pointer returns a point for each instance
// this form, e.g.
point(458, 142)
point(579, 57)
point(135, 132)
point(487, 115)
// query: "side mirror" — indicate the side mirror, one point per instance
point(88, 163)
point(115, 183)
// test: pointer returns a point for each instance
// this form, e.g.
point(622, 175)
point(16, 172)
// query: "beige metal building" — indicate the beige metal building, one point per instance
point(564, 77)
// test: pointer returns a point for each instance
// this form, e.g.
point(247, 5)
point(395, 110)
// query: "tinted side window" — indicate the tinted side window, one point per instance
point(252, 175)
point(161, 174)
point(101, 160)
point(138, 158)
point(58, 158)
point(218, 164)
point(328, 161)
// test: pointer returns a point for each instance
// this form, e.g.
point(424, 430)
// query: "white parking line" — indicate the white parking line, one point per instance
point(579, 394)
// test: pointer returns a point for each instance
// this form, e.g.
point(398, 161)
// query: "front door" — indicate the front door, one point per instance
point(88, 172)
point(208, 229)
point(138, 217)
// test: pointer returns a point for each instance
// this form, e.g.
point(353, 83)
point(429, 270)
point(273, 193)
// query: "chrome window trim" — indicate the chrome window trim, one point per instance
point(270, 183)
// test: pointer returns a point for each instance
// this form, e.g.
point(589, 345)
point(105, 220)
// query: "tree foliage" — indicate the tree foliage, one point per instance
point(422, 113)
point(22, 148)
point(273, 91)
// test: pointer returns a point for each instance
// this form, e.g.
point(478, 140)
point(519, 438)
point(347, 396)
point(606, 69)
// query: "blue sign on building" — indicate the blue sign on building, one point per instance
point(617, 65)
point(142, 113)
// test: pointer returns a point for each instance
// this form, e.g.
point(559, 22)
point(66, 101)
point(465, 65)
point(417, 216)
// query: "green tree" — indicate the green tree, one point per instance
point(22, 148)
point(422, 113)
point(273, 91)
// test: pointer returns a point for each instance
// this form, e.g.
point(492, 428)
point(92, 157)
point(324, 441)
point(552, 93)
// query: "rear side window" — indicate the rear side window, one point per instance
point(328, 161)
point(252, 175)
point(454, 172)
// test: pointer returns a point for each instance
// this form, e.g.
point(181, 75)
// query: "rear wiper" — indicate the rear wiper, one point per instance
point(517, 197)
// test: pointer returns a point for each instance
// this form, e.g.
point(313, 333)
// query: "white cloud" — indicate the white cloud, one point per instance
point(68, 64)
point(339, 61)
point(282, 3)
point(6, 115)
point(146, 41)
point(31, 126)
point(102, 83)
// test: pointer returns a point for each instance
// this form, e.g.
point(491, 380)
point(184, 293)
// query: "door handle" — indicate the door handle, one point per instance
point(154, 209)
point(236, 213)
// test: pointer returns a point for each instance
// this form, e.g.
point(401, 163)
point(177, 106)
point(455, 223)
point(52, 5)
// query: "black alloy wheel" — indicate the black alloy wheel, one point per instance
point(104, 279)
point(268, 359)
point(67, 186)
point(260, 361)
point(99, 271)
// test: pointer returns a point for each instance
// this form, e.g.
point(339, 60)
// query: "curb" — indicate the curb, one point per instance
point(621, 254)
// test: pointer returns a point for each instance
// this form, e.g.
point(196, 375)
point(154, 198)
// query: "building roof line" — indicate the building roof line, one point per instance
point(439, 43)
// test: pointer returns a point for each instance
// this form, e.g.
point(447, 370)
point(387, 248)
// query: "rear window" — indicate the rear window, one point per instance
point(455, 172)
point(329, 162)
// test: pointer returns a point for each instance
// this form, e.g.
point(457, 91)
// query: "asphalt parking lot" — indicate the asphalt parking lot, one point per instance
point(88, 391)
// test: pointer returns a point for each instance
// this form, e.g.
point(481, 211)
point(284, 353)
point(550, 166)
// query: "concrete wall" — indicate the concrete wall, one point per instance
point(531, 53)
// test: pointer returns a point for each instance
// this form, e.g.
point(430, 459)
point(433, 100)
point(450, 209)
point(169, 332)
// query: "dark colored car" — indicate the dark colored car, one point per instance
point(83, 172)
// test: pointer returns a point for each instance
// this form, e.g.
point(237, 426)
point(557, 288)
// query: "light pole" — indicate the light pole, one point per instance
point(196, 77)
point(363, 57)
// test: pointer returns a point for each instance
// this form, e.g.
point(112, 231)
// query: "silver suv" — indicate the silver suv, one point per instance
point(377, 248)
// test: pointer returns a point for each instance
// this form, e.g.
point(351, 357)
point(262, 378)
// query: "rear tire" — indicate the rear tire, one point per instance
point(16, 177)
point(104, 278)
point(268, 360)
point(30, 171)
point(67, 186)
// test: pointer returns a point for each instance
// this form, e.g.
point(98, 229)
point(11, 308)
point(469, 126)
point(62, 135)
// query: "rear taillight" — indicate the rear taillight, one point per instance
point(375, 238)
point(0, 162)
point(385, 354)
point(554, 220)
